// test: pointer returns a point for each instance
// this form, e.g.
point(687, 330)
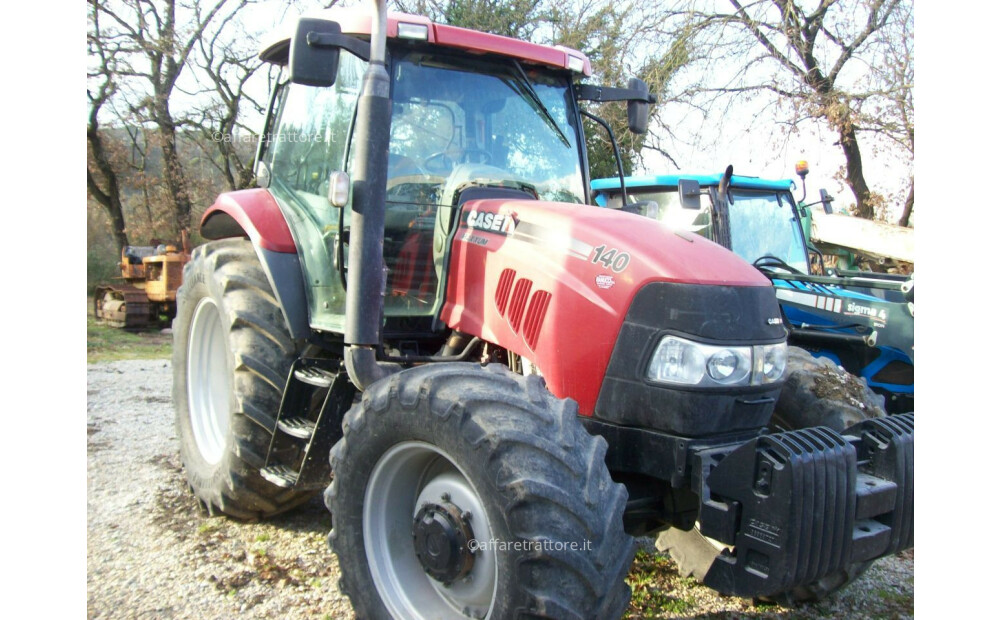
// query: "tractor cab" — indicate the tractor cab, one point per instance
point(505, 124)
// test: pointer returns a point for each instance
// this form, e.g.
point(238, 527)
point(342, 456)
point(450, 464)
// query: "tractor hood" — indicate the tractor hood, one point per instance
point(553, 282)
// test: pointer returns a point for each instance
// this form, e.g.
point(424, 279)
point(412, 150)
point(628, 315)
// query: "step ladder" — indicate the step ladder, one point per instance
point(317, 395)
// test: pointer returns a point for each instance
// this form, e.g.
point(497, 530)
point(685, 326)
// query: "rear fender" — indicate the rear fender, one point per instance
point(254, 215)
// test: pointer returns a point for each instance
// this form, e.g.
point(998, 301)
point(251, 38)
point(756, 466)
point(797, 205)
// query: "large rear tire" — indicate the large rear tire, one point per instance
point(445, 457)
point(232, 353)
point(817, 392)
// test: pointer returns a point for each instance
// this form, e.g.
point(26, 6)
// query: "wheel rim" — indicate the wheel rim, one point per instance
point(208, 383)
point(405, 479)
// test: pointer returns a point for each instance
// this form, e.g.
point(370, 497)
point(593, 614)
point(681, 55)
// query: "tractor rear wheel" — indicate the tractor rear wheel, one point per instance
point(232, 353)
point(817, 392)
point(460, 492)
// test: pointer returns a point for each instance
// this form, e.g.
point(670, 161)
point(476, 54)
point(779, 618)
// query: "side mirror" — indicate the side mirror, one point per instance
point(313, 57)
point(827, 201)
point(690, 192)
point(262, 174)
point(638, 111)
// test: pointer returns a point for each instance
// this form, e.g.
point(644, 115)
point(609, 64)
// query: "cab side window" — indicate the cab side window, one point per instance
point(310, 138)
point(313, 129)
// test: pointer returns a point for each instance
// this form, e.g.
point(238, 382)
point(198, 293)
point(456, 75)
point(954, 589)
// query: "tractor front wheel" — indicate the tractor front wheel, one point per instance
point(462, 492)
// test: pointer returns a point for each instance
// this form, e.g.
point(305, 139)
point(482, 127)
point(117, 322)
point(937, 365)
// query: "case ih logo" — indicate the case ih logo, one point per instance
point(492, 222)
point(605, 281)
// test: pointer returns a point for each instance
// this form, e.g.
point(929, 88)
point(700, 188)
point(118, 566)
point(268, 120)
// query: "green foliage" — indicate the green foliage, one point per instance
point(102, 266)
point(650, 597)
point(513, 18)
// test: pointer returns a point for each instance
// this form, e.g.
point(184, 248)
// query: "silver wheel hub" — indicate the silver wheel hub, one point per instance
point(420, 510)
point(209, 385)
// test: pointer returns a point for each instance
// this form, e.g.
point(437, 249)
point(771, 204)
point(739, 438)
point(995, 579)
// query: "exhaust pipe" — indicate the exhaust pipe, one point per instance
point(366, 277)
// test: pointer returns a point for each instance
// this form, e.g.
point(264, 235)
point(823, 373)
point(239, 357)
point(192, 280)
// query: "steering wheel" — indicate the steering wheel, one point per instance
point(481, 156)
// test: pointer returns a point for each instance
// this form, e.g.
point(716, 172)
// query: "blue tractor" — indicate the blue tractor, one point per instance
point(860, 320)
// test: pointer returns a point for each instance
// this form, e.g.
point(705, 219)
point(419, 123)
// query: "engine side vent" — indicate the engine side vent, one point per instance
point(517, 303)
point(502, 295)
point(536, 314)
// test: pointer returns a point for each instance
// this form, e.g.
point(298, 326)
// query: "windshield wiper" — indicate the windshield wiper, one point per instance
point(524, 88)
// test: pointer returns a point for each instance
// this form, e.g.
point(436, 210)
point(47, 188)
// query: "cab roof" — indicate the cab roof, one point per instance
point(613, 184)
point(359, 22)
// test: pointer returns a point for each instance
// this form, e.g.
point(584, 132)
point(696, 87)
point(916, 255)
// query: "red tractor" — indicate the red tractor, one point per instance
point(497, 384)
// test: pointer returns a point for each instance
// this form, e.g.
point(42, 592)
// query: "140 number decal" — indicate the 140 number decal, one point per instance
point(611, 258)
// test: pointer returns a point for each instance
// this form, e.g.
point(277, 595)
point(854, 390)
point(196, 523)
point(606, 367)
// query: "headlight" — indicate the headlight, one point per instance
point(685, 362)
point(770, 360)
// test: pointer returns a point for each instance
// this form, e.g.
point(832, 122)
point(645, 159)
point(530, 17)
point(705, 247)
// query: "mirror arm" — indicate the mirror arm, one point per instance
point(359, 48)
point(601, 94)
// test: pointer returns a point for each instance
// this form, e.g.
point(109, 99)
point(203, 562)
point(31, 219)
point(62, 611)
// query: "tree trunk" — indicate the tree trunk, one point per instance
point(173, 170)
point(907, 207)
point(110, 197)
point(855, 174)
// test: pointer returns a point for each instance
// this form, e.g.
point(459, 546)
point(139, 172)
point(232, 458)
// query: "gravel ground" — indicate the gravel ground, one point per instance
point(152, 551)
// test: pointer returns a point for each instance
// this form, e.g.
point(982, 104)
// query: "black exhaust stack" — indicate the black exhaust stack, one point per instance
point(366, 276)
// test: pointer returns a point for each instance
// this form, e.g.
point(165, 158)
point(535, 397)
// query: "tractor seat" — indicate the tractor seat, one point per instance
point(135, 253)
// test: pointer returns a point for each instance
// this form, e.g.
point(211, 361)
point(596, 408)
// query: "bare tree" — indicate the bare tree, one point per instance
point(227, 64)
point(102, 179)
point(891, 81)
point(161, 34)
point(814, 63)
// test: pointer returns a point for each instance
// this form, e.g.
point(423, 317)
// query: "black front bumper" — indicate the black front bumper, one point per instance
point(801, 505)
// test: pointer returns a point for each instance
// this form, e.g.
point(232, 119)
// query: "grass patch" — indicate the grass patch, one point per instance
point(652, 594)
point(208, 528)
point(108, 344)
point(893, 596)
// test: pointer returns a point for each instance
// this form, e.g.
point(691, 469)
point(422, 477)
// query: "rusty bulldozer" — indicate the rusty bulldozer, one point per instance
point(146, 292)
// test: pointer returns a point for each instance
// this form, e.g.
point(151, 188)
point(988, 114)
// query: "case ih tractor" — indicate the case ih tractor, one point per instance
point(860, 320)
point(497, 384)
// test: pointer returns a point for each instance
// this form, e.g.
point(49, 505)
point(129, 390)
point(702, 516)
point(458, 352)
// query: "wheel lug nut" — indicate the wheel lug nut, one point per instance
point(446, 497)
point(467, 515)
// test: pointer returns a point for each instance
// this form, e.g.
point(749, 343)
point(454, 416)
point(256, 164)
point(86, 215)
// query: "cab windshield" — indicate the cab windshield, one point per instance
point(459, 120)
point(762, 224)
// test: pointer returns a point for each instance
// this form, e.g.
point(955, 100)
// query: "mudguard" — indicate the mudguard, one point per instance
point(254, 214)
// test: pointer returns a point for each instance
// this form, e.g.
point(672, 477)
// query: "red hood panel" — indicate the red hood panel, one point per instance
point(553, 282)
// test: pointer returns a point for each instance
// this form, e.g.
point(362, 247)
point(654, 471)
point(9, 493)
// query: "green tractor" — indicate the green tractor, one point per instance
point(497, 385)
